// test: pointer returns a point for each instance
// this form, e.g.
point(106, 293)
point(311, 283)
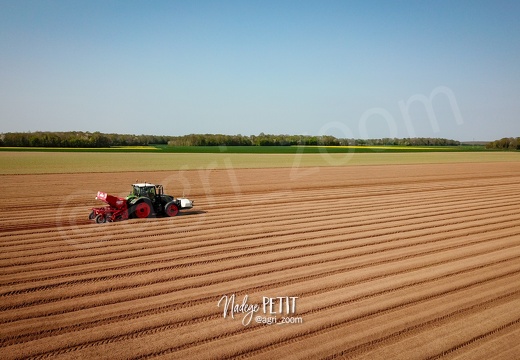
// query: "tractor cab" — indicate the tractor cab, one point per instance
point(153, 192)
point(146, 190)
point(143, 190)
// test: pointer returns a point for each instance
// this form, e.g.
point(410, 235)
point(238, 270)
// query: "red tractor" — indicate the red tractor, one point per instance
point(145, 200)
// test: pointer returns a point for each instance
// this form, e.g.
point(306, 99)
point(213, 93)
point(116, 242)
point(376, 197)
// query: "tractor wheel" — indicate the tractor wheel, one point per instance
point(92, 215)
point(171, 209)
point(142, 210)
point(100, 219)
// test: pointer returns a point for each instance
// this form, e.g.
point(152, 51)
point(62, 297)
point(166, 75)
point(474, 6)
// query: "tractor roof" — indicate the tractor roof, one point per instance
point(143, 185)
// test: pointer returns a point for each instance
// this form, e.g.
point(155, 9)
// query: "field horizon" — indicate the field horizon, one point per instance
point(255, 149)
point(34, 162)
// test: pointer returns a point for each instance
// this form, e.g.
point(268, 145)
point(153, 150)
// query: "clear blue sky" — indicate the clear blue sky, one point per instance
point(345, 68)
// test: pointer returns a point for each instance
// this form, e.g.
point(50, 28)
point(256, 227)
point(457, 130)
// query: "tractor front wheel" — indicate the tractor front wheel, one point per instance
point(171, 209)
point(92, 215)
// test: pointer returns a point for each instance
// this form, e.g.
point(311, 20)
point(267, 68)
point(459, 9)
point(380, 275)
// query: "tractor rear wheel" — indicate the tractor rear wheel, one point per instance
point(100, 219)
point(142, 210)
point(171, 209)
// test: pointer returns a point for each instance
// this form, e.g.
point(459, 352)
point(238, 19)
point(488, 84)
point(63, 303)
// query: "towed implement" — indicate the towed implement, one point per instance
point(117, 209)
point(144, 201)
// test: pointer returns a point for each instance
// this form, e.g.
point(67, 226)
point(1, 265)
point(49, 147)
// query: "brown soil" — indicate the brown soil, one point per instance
point(401, 261)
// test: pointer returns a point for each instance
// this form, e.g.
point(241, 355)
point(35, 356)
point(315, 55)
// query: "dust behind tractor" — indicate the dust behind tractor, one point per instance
point(144, 201)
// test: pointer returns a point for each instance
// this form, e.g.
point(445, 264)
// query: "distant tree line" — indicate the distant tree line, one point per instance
point(407, 142)
point(79, 139)
point(287, 140)
point(252, 140)
point(505, 144)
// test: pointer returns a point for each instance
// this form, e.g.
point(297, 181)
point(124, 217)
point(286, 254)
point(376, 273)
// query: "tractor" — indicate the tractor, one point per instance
point(144, 200)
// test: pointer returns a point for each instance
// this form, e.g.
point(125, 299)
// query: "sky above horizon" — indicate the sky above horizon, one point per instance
point(351, 69)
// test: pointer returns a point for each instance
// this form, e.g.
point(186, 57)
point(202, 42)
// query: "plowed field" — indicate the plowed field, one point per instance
point(414, 261)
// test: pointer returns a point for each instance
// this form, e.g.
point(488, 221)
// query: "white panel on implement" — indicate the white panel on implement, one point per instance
point(185, 203)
